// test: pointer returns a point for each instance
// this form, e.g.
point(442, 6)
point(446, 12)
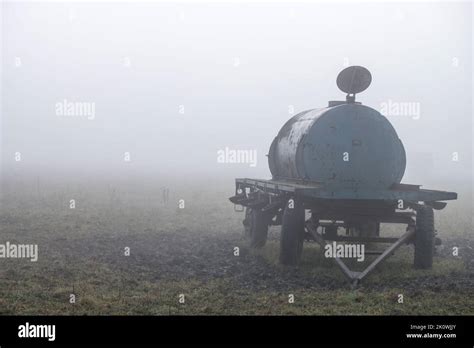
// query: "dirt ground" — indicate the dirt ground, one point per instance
point(190, 252)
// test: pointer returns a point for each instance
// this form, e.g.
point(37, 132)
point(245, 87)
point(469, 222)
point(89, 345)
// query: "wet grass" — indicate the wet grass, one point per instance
point(191, 251)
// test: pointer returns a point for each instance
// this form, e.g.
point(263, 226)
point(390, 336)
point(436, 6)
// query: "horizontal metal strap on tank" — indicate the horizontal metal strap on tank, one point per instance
point(318, 190)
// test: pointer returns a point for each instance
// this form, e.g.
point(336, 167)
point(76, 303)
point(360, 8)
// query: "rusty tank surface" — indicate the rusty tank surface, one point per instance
point(345, 145)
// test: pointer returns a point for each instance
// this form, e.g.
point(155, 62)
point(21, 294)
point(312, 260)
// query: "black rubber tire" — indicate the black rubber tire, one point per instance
point(424, 238)
point(247, 222)
point(292, 234)
point(256, 227)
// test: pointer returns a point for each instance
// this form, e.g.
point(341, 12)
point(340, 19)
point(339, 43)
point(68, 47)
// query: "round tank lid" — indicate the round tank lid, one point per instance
point(354, 79)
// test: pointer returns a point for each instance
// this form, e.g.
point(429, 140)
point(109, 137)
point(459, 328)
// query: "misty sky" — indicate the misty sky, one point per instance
point(235, 70)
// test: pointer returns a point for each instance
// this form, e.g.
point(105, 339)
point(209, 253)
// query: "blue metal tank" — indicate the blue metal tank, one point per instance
point(346, 145)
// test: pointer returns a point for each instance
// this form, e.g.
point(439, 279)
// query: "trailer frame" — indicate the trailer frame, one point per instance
point(343, 208)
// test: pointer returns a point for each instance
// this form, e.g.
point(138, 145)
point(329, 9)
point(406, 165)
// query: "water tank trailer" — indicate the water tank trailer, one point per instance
point(343, 165)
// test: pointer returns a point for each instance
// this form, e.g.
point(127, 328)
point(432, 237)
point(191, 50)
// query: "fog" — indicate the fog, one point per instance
point(166, 86)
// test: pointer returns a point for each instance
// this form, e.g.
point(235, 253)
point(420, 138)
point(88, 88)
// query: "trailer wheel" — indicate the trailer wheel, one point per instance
point(256, 227)
point(292, 233)
point(247, 222)
point(424, 238)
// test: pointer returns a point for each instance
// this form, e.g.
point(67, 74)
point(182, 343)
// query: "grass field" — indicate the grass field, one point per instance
point(190, 251)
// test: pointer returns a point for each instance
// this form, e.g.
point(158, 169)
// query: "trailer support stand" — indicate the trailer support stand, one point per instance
point(356, 277)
